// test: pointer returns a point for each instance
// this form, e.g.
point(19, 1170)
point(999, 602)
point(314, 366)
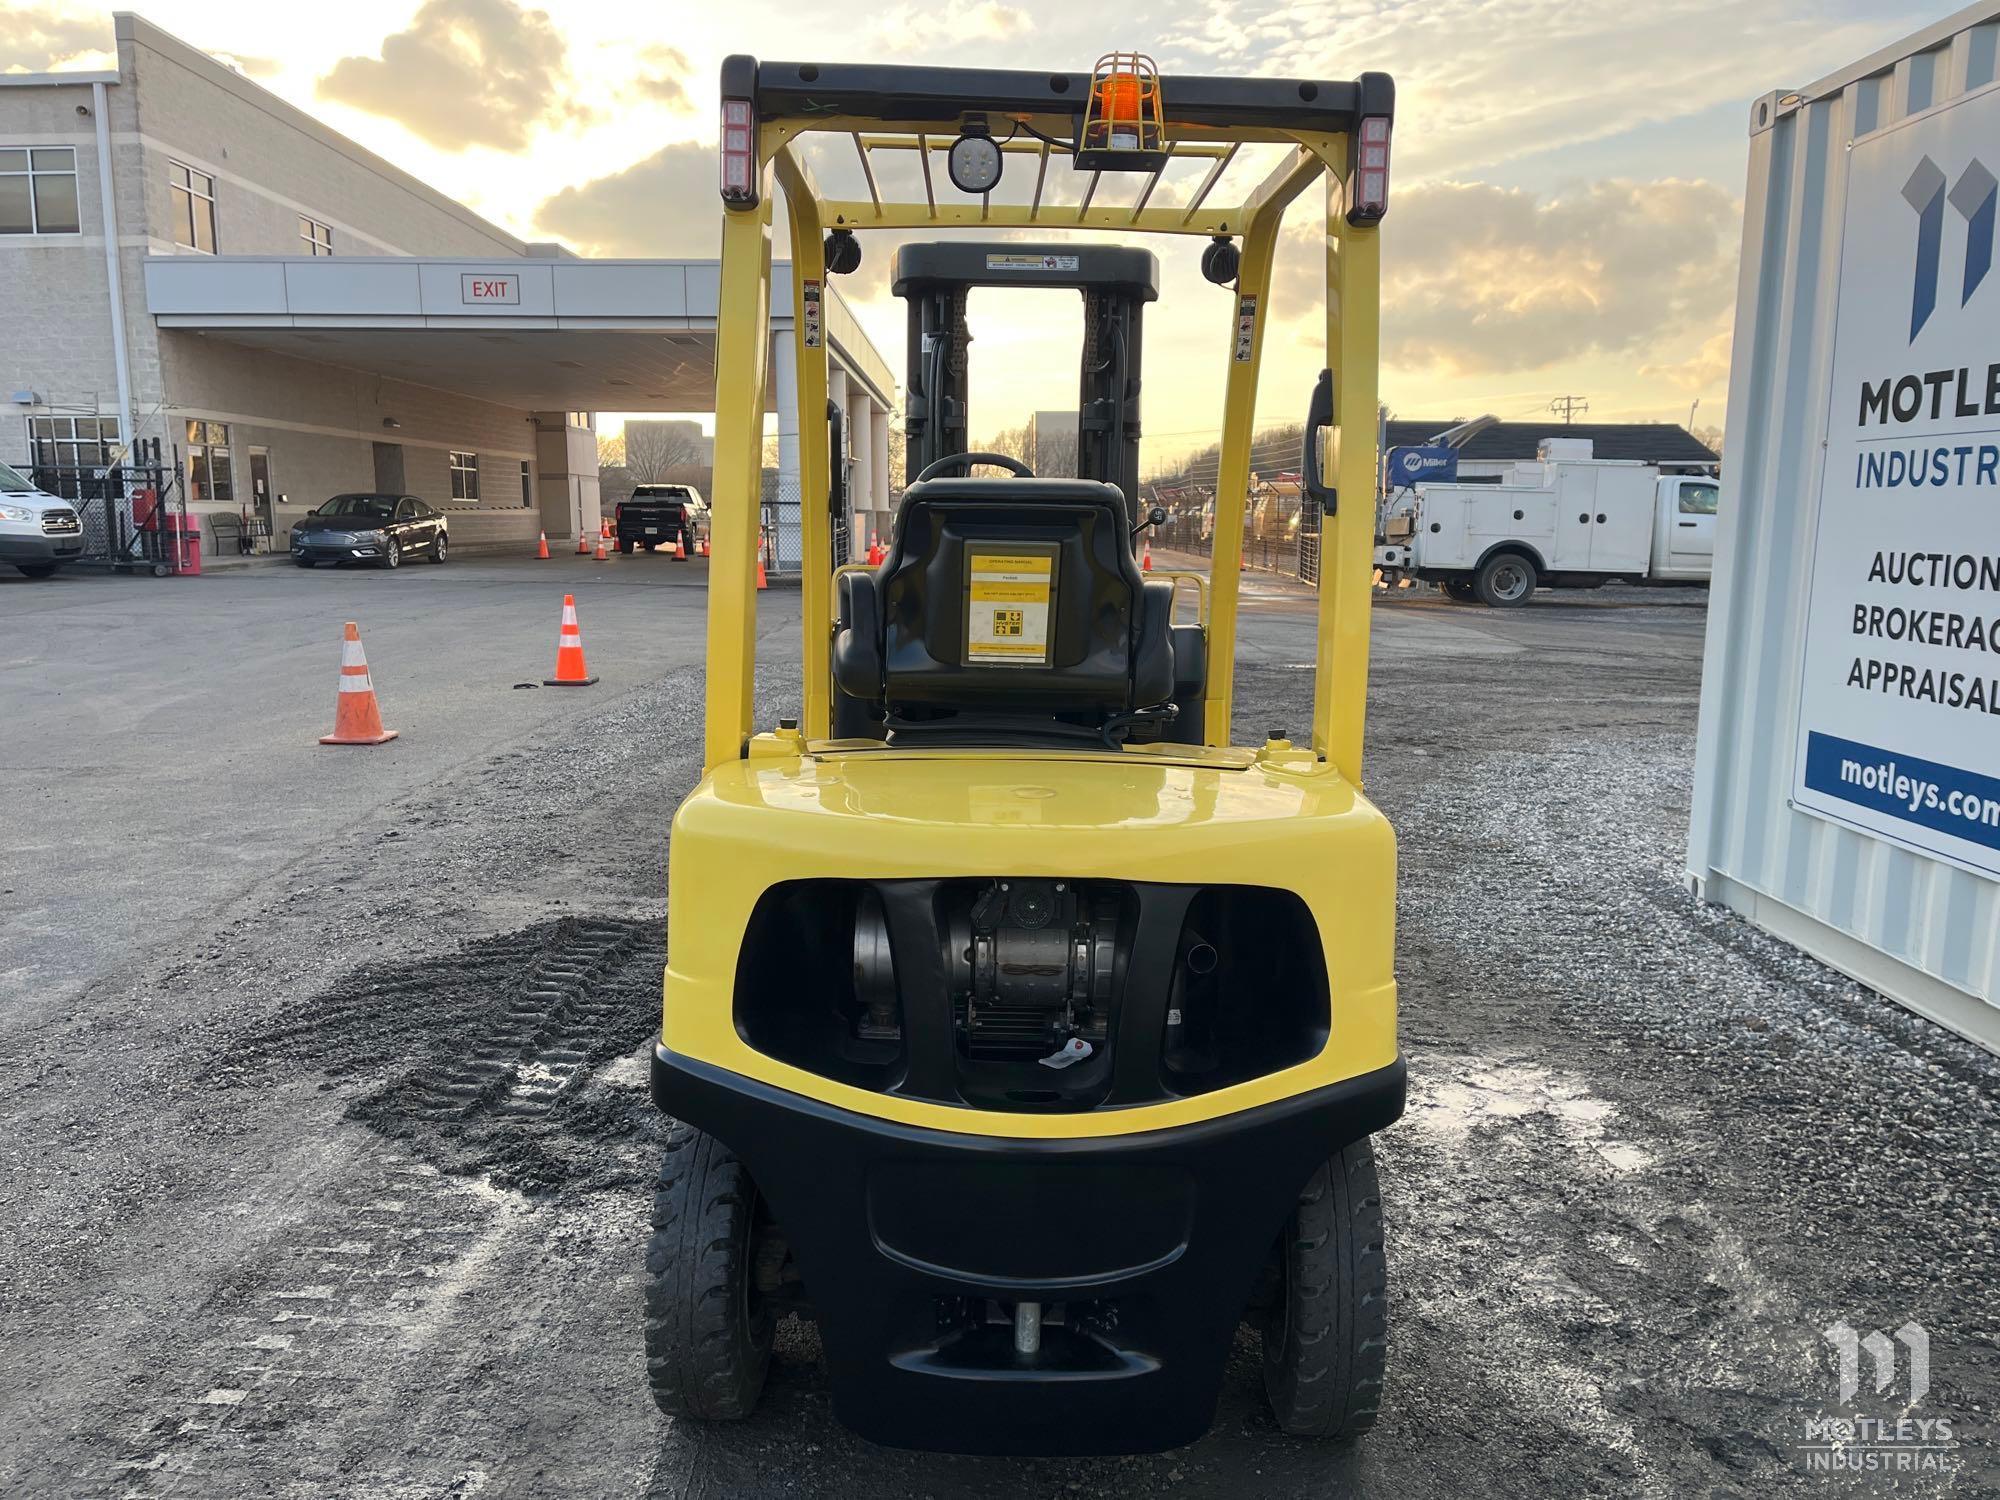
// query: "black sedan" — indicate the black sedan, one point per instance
point(378, 529)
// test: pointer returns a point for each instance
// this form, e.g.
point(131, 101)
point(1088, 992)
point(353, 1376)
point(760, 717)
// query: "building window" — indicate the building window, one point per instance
point(193, 195)
point(318, 238)
point(464, 476)
point(68, 450)
point(73, 442)
point(38, 190)
point(579, 418)
point(209, 474)
point(527, 485)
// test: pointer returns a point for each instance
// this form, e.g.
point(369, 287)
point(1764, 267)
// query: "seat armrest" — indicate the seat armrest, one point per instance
point(1153, 650)
point(857, 644)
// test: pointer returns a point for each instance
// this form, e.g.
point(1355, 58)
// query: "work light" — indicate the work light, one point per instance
point(974, 162)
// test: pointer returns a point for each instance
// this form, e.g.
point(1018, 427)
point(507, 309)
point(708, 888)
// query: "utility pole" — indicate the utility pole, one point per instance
point(1567, 407)
point(1691, 411)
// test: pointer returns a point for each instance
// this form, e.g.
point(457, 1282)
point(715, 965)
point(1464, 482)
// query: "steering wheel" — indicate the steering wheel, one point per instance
point(967, 460)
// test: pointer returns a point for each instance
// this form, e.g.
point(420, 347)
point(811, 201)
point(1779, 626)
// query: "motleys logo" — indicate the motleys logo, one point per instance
point(1974, 197)
point(1858, 1444)
point(1968, 391)
point(1849, 1346)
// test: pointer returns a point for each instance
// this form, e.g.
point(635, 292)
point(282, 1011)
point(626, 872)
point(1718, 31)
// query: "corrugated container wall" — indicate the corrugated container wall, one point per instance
point(1897, 898)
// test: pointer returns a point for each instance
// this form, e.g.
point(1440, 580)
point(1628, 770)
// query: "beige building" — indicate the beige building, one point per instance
point(193, 270)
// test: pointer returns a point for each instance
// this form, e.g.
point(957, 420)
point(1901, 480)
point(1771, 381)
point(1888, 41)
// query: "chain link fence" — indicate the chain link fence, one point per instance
point(1281, 524)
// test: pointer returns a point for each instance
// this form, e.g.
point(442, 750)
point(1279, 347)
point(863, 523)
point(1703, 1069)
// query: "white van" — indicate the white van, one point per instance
point(38, 532)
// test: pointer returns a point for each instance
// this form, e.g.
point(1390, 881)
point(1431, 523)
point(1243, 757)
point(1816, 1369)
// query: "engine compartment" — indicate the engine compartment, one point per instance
point(1033, 992)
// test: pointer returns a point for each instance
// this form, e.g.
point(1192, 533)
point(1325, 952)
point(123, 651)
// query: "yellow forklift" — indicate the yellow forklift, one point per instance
point(1020, 1029)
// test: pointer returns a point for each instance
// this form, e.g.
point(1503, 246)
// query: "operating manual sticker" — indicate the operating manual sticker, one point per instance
point(1007, 613)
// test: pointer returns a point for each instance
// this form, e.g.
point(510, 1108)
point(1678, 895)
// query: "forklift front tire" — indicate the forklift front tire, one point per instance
point(1326, 1338)
point(708, 1333)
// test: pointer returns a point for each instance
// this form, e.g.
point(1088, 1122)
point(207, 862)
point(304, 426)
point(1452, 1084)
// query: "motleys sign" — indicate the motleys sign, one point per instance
point(1899, 703)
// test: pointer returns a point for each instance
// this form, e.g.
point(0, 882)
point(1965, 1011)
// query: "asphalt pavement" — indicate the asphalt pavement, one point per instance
point(324, 1145)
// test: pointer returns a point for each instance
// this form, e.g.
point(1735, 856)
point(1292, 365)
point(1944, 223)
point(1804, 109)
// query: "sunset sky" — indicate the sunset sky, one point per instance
point(1564, 213)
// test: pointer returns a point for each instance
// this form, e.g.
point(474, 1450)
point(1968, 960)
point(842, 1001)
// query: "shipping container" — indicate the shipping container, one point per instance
point(1847, 775)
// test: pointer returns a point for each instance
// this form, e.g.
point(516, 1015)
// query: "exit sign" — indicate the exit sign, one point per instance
point(480, 290)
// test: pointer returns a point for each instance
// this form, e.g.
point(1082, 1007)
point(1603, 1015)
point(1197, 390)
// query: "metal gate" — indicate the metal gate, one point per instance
point(1309, 527)
point(134, 516)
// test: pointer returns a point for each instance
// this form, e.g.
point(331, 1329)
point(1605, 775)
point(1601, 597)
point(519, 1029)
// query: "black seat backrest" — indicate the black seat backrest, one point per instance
point(1007, 601)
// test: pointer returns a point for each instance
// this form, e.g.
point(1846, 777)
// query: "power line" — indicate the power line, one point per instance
point(1567, 407)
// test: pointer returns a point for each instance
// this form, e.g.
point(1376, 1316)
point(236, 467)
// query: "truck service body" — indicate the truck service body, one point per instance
point(1566, 522)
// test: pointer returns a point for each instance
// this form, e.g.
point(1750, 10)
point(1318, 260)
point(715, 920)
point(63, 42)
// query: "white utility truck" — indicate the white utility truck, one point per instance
point(1566, 520)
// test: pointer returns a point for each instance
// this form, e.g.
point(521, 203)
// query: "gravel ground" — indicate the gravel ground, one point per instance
point(337, 1187)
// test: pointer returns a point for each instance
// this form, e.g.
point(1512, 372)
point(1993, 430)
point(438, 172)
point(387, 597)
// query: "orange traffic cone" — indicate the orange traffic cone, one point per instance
point(582, 542)
point(1146, 562)
point(680, 548)
point(604, 527)
point(357, 719)
point(762, 581)
point(701, 546)
point(570, 670)
point(542, 548)
point(601, 553)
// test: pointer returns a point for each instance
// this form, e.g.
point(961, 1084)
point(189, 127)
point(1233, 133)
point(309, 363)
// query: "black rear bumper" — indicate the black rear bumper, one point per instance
point(1142, 1248)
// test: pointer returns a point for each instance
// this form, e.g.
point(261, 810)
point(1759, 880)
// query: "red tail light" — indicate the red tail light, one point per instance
point(1368, 196)
point(739, 153)
point(618, 512)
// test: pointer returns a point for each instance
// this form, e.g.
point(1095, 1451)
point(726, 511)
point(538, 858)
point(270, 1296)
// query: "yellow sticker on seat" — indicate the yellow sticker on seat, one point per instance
point(1007, 612)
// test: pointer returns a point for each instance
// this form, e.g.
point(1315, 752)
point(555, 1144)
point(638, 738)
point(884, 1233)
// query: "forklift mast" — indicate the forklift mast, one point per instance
point(1115, 282)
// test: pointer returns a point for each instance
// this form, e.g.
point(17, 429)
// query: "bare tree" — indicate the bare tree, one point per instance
point(898, 456)
point(654, 448)
point(610, 451)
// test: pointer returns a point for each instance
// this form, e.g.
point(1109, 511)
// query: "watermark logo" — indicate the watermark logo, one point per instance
point(1876, 1364)
point(1974, 197)
point(1849, 1345)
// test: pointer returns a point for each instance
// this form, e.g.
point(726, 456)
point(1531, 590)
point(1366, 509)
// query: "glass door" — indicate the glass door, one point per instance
point(261, 498)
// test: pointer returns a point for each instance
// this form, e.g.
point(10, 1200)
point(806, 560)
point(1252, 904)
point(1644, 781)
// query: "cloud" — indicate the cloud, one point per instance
point(1707, 369)
point(249, 65)
point(663, 77)
point(1478, 279)
point(1485, 81)
point(665, 205)
point(465, 73)
point(39, 40)
point(928, 28)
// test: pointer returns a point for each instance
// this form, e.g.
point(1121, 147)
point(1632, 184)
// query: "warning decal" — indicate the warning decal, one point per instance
point(1031, 262)
point(1007, 608)
point(810, 323)
point(1246, 326)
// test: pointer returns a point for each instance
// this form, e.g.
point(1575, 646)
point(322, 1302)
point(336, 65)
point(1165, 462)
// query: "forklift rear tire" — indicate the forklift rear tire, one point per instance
point(1506, 580)
point(708, 1333)
point(1326, 1339)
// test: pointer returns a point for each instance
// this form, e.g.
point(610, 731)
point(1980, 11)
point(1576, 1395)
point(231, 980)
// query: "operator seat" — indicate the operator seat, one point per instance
point(1010, 611)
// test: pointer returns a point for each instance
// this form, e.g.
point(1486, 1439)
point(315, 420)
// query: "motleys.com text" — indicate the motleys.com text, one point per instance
point(1920, 795)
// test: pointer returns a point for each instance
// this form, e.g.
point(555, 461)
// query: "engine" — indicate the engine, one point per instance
point(1029, 964)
